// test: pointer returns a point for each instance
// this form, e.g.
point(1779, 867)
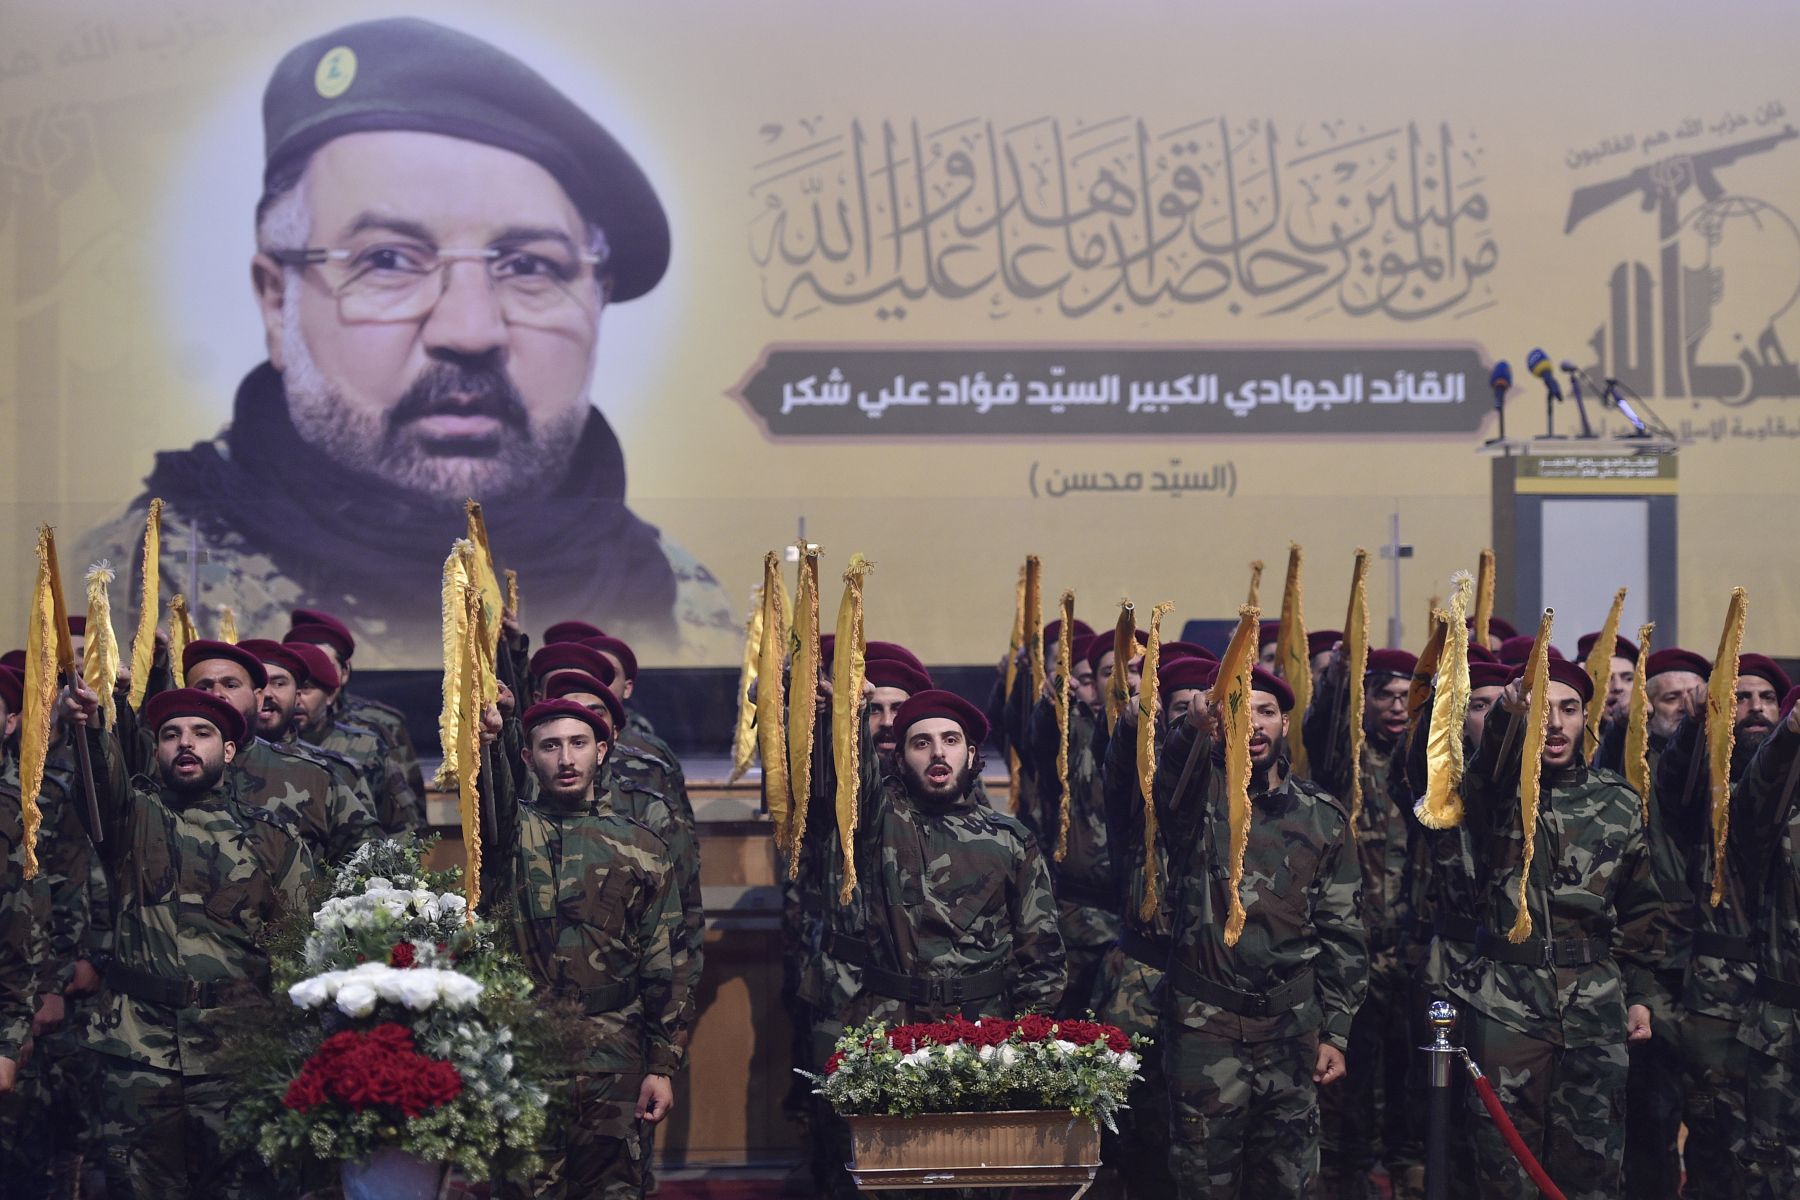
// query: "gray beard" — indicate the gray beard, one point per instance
point(524, 464)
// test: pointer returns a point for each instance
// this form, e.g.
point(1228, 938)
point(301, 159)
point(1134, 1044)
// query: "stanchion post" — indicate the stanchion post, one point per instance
point(1442, 1016)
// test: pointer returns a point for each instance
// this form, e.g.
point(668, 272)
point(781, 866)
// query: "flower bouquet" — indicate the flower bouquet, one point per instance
point(410, 1036)
point(1000, 1101)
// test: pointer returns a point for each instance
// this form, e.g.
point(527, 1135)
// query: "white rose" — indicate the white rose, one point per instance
point(387, 984)
point(453, 902)
point(1128, 1061)
point(416, 989)
point(952, 1051)
point(356, 999)
point(377, 883)
point(987, 1053)
point(915, 1059)
point(310, 993)
point(457, 990)
point(1009, 1054)
point(1063, 1047)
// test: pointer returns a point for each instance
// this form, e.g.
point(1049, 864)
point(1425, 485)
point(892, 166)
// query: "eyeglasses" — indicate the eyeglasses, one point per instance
point(535, 281)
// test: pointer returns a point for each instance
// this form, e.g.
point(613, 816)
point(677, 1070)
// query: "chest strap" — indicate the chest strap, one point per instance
point(180, 991)
point(1539, 952)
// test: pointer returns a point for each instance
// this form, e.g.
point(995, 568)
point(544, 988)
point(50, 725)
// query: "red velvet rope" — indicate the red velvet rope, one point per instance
point(1520, 1150)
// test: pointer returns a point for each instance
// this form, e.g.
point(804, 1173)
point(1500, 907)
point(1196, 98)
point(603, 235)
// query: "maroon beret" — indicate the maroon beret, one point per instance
point(892, 673)
point(1563, 671)
point(1101, 645)
point(616, 648)
point(555, 710)
point(1169, 651)
point(321, 672)
point(1321, 640)
point(12, 689)
point(569, 683)
point(321, 626)
point(274, 654)
point(1264, 680)
point(1515, 650)
point(934, 702)
point(1266, 632)
point(203, 650)
point(571, 656)
point(1788, 701)
point(1481, 654)
point(192, 702)
point(1500, 627)
point(1764, 667)
point(1623, 647)
point(1676, 659)
point(1392, 662)
point(572, 631)
point(1054, 629)
point(1490, 674)
point(893, 652)
point(1186, 673)
point(77, 625)
point(14, 659)
point(828, 649)
point(1083, 646)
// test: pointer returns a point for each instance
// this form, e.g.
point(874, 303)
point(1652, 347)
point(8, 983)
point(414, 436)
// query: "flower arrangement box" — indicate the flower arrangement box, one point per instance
point(979, 1103)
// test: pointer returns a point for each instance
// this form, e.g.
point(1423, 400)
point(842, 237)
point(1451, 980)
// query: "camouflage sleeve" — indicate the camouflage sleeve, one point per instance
point(66, 859)
point(1761, 803)
point(1325, 730)
point(684, 859)
point(499, 823)
point(114, 800)
point(294, 872)
point(1491, 782)
point(1119, 798)
point(1039, 973)
point(664, 981)
point(409, 805)
point(1640, 913)
point(1609, 755)
point(351, 812)
point(20, 954)
point(1342, 964)
point(1042, 738)
point(1680, 789)
point(1180, 816)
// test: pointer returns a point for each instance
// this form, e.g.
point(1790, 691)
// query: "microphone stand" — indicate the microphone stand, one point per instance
point(1587, 431)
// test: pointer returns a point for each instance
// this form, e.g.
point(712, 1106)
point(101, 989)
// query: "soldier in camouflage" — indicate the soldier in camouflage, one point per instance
point(24, 916)
point(1764, 848)
point(1080, 869)
point(1366, 1120)
point(1132, 972)
point(334, 637)
point(289, 780)
point(1251, 1032)
point(1549, 1017)
point(198, 878)
point(590, 894)
point(397, 808)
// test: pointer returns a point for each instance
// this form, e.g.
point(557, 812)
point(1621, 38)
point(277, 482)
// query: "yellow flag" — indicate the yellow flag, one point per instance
point(48, 654)
point(743, 738)
point(1484, 600)
point(1149, 711)
point(1059, 703)
point(486, 580)
point(1441, 806)
point(1721, 730)
point(143, 641)
point(512, 593)
point(1015, 644)
point(1531, 768)
point(1256, 570)
point(1034, 644)
point(1231, 693)
point(455, 636)
point(1118, 688)
point(1637, 725)
point(468, 741)
point(1293, 660)
point(847, 665)
point(1356, 664)
point(1599, 669)
point(771, 705)
point(100, 658)
point(803, 697)
point(181, 632)
point(228, 630)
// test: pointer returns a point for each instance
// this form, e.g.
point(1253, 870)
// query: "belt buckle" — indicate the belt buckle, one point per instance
point(193, 994)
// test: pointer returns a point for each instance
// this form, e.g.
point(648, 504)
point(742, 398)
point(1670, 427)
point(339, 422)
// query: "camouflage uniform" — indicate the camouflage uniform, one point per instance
point(1241, 1025)
point(1131, 974)
point(646, 780)
point(957, 908)
point(197, 880)
point(593, 905)
point(1552, 1038)
point(1366, 1118)
point(397, 807)
point(1716, 988)
point(1764, 846)
point(294, 782)
point(24, 926)
point(390, 723)
point(1086, 904)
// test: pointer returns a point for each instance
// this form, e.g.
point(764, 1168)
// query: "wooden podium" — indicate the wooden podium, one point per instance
point(1574, 521)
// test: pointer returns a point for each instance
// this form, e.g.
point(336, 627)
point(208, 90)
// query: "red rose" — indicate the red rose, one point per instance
point(1035, 1028)
point(401, 955)
point(834, 1062)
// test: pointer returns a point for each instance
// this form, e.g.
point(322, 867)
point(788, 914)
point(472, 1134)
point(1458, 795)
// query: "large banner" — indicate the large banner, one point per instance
point(1148, 289)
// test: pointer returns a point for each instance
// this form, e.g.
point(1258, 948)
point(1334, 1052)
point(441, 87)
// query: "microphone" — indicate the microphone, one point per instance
point(1500, 379)
point(1539, 364)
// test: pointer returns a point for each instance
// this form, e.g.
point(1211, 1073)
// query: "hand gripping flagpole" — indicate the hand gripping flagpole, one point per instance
point(1442, 1017)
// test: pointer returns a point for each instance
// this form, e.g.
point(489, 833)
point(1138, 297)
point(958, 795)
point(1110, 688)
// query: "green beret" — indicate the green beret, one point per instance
point(405, 73)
